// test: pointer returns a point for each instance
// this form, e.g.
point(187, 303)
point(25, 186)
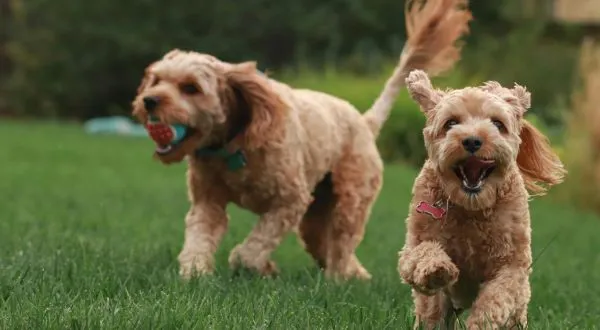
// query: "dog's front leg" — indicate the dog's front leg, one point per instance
point(254, 253)
point(205, 225)
point(427, 267)
point(502, 301)
point(429, 270)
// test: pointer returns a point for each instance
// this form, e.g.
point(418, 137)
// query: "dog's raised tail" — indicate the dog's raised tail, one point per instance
point(433, 29)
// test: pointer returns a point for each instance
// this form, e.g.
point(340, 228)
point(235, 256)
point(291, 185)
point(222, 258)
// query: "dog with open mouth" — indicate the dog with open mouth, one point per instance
point(468, 231)
point(301, 160)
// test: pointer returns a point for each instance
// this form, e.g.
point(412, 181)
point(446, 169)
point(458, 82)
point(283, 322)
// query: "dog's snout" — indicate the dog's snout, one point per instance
point(472, 144)
point(150, 103)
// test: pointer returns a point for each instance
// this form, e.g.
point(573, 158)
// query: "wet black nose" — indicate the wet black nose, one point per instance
point(150, 103)
point(472, 144)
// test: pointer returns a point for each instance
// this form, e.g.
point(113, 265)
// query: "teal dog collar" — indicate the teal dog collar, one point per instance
point(235, 160)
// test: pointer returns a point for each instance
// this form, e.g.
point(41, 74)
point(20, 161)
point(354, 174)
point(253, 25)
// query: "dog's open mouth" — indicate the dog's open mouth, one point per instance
point(473, 171)
point(168, 137)
point(164, 149)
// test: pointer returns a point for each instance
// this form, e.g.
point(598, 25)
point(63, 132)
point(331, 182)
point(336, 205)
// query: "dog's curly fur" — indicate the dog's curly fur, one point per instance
point(478, 254)
point(312, 163)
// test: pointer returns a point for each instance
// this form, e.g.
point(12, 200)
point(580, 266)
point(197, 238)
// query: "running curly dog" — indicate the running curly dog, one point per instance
point(468, 230)
point(302, 160)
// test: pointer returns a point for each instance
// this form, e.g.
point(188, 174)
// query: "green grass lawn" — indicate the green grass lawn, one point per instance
point(90, 228)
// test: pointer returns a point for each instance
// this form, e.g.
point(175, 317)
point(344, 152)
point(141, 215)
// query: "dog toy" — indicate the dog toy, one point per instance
point(165, 135)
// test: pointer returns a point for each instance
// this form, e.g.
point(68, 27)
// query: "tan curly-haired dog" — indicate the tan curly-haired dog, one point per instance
point(468, 232)
point(300, 159)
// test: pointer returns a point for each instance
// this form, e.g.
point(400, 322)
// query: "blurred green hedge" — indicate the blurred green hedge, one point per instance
point(80, 59)
point(77, 59)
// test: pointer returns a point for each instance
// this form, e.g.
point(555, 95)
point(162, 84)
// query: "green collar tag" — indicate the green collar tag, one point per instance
point(235, 160)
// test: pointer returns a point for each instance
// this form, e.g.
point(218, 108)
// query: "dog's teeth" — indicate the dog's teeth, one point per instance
point(462, 172)
point(476, 186)
point(162, 150)
point(484, 173)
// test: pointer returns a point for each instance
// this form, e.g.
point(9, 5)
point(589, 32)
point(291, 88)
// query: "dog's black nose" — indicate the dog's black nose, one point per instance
point(150, 103)
point(472, 144)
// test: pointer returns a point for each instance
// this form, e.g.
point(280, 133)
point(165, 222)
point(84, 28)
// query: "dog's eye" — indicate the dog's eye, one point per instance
point(448, 125)
point(498, 124)
point(155, 82)
point(189, 89)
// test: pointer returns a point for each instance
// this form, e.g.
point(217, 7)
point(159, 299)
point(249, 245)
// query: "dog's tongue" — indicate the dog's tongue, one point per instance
point(473, 167)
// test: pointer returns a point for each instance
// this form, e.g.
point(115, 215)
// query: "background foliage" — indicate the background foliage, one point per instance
point(75, 59)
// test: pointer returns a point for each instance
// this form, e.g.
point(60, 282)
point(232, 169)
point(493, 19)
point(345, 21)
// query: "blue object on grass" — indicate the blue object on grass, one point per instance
point(117, 125)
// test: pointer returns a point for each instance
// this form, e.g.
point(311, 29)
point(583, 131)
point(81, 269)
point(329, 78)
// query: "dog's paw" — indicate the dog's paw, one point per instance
point(191, 266)
point(361, 273)
point(431, 276)
point(418, 76)
point(242, 258)
point(352, 270)
point(191, 270)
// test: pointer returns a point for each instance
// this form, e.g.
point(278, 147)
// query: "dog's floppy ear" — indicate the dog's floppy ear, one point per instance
point(537, 162)
point(523, 96)
point(518, 97)
point(420, 89)
point(267, 109)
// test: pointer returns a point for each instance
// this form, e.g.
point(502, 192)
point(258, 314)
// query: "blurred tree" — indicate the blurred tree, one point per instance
point(81, 59)
point(4, 35)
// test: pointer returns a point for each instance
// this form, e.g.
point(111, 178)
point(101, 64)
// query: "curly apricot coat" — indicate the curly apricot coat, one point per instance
point(312, 164)
point(474, 250)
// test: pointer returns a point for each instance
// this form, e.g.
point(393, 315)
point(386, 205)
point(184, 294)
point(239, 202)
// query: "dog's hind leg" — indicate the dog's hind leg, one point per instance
point(313, 229)
point(357, 180)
